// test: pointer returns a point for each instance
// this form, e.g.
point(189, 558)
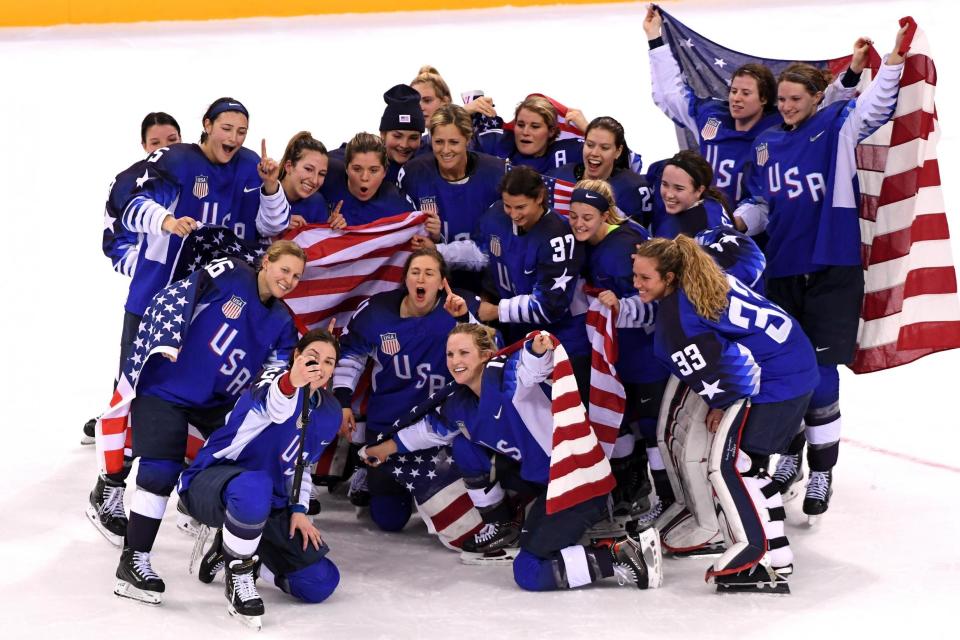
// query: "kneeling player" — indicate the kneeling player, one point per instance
point(728, 343)
point(241, 480)
point(501, 405)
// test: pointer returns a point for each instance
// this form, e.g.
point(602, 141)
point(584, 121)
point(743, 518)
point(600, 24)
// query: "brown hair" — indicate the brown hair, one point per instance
point(483, 336)
point(298, 145)
point(365, 143)
point(813, 80)
point(315, 335)
point(429, 75)
point(696, 273)
point(455, 115)
point(432, 253)
point(543, 108)
point(700, 172)
point(766, 83)
point(614, 215)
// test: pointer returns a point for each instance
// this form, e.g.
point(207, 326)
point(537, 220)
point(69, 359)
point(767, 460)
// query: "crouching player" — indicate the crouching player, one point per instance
point(501, 426)
point(727, 343)
point(241, 482)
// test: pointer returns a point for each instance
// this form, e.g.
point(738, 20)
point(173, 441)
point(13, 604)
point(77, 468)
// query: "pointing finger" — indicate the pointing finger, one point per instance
point(263, 148)
point(330, 325)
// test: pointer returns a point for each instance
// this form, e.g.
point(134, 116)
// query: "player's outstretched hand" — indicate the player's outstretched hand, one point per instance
point(482, 105)
point(422, 242)
point(179, 226)
point(336, 219)
point(902, 43)
point(311, 535)
point(305, 370)
point(455, 305)
point(269, 170)
point(577, 119)
point(610, 300)
point(861, 54)
point(432, 226)
point(488, 312)
point(296, 221)
point(652, 23)
point(542, 343)
point(376, 455)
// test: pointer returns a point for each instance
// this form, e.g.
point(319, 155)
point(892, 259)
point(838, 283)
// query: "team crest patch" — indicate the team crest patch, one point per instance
point(495, 247)
point(762, 154)
point(389, 344)
point(233, 307)
point(201, 187)
point(428, 204)
point(709, 131)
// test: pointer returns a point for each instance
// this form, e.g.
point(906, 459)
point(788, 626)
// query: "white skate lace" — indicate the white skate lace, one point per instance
point(245, 586)
point(358, 482)
point(652, 514)
point(486, 534)
point(112, 504)
point(141, 564)
point(786, 468)
point(625, 574)
point(819, 485)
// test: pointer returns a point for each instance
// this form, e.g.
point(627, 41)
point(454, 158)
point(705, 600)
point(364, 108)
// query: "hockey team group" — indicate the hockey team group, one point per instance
point(729, 279)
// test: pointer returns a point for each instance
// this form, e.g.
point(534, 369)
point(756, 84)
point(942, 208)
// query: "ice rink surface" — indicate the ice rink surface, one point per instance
point(882, 563)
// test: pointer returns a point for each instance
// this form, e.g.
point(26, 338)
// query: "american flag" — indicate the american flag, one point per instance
point(911, 308)
point(567, 129)
point(607, 396)
point(559, 194)
point(579, 469)
point(209, 243)
point(346, 267)
point(161, 332)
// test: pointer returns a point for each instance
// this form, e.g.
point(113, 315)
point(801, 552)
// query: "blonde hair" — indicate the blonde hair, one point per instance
point(697, 274)
point(614, 215)
point(284, 248)
point(483, 336)
point(455, 115)
point(543, 108)
point(430, 76)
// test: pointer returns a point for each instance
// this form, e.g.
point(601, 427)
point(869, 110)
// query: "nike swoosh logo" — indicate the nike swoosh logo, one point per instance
point(591, 196)
point(819, 349)
point(499, 411)
point(645, 400)
point(528, 273)
point(814, 138)
point(245, 190)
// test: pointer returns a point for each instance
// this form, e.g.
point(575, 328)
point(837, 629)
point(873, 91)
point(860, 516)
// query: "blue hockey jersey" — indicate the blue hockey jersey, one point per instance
point(120, 245)
point(632, 191)
point(388, 200)
point(262, 434)
point(408, 355)
point(179, 180)
point(707, 214)
point(535, 276)
point(736, 253)
point(459, 204)
point(754, 350)
point(557, 154)
point(231, 335)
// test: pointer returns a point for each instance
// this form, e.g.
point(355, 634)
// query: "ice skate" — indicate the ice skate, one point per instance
point(106, 510)
point(638, 560)
point(492, 537)
point(213, 560)
point(243, 600)
point(817, 500)
point(788, 478)
point(642, 520)
point(89, 432)
point(760, 578)
point(186, 524)
point(136, 578)
point(498, 557)
point(359, 493)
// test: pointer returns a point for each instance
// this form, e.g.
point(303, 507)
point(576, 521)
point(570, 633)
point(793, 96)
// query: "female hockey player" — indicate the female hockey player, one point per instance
point(158, 129)
point(241, 482)
point(726, 343)
point(299, 175)
point(398, 330)
point(690, 202)
point(435, 93)
point(610, 241)
point(726, 130)
point(805, 196)
point(499, 418)
point(231, 322)
point(607, 157)
point(457, 184)
point(534, 140)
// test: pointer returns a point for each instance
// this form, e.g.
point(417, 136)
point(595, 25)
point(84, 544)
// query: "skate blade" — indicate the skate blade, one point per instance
point(124, 589)
point(85, 440)
point(653, 556)
point(253, 622)
point(201, 540)
point(775, 589)
point(812, 520)
point(111, 537)
point(502, 556)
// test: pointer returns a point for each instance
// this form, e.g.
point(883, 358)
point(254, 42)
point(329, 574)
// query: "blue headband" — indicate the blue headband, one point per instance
point(225, 105)
point(592, 198)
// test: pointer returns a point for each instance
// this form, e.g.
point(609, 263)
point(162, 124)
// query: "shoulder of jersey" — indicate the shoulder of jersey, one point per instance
point(564, 172)
point(489, 163)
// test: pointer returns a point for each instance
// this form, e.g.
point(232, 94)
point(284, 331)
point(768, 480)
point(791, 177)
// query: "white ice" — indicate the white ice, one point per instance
point(883, 561)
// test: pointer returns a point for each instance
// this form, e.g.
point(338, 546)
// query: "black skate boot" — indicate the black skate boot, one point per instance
point(186, 523)
point(631, 495)
point(106, 510)
point(136, 579)
point(493, 537)
point(359, 492)
point(242, 597)
point(89, 432)
point(787, 477)
point(637, 560)
point(213, 561)
point(760, 578)
point(819, 490)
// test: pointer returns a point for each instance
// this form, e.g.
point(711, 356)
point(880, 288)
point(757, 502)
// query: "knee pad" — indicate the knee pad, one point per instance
point(536, 574)
point(157, 476)
point(315, 583)
point(827, 391)
point(472, 460)
point(248, 497)
point(390, 513)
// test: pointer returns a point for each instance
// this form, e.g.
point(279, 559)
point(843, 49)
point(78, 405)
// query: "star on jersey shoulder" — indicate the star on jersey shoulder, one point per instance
point(143, 179)
point(561, 281)
point(710, 389)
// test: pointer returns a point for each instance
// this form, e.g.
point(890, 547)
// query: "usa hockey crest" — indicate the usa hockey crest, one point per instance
point(232, 307)
point(762, 154)
point(389, 344)
point(495, 247)
point(201, 187)
point(709, 131)
point(428, 204)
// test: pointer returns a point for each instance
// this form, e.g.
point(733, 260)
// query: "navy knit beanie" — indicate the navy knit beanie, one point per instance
point(403, 110)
